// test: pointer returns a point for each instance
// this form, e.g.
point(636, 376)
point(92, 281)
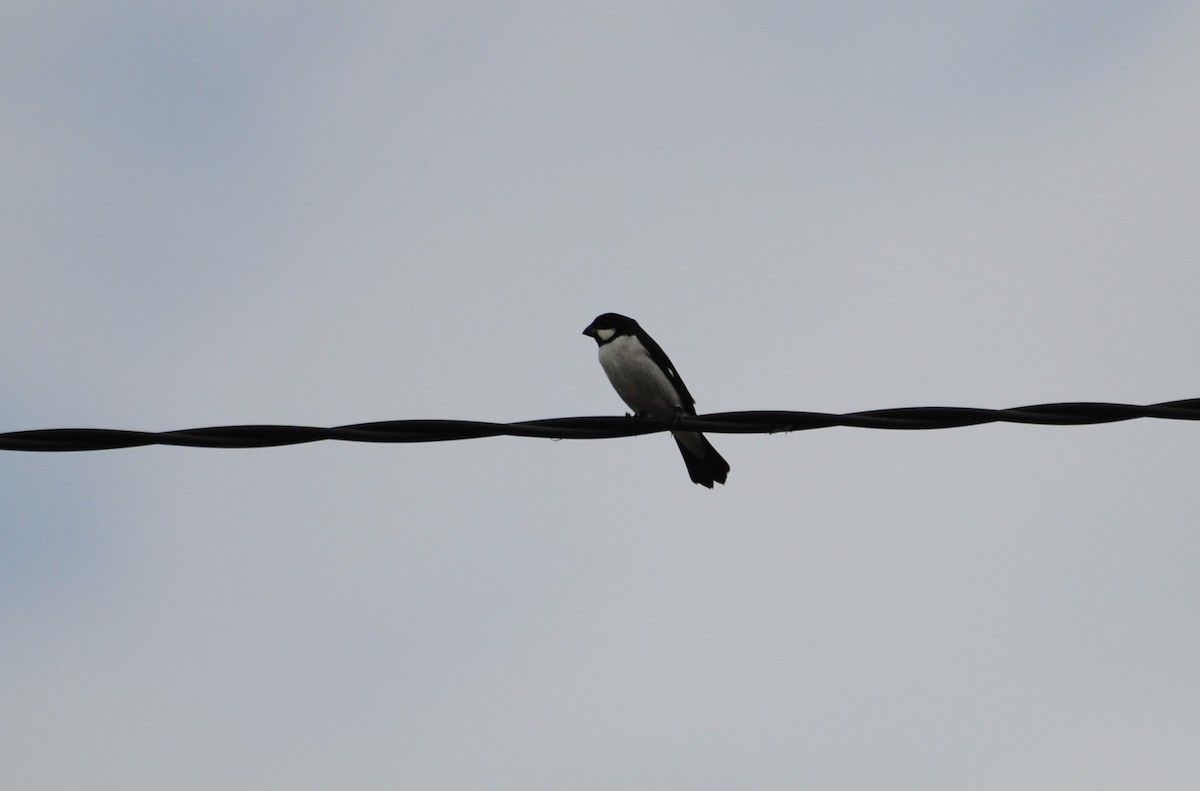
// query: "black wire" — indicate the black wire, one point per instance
point(757, 422)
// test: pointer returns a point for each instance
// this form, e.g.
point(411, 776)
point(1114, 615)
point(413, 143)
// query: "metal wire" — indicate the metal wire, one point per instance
point(756, 422)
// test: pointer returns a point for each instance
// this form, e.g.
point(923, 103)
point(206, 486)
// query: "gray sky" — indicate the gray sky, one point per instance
point(237, 212)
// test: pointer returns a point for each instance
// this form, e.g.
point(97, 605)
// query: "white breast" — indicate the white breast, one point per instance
point(637, 378)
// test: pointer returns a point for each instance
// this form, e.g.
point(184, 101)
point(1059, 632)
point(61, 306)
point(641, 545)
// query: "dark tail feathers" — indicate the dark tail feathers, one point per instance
point(704, 464)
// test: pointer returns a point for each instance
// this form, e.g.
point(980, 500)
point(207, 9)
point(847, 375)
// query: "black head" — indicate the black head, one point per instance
point(609, 325)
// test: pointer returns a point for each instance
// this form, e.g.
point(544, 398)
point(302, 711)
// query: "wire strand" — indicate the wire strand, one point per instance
point(752, 422)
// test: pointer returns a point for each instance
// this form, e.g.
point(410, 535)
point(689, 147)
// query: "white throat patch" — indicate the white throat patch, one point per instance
point(605, 334)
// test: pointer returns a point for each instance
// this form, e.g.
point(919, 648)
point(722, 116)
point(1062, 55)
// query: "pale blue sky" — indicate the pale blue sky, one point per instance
point(232, 213)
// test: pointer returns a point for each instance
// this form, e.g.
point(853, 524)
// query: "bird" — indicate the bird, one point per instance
point(646, 379)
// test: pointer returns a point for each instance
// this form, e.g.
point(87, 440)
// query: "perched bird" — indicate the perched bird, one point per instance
point(644, 377)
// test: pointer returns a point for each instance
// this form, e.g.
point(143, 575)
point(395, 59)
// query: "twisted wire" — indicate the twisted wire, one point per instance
point(751, 422)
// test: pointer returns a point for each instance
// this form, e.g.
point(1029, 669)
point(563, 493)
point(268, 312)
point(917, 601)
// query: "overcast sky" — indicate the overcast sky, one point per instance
point(229, 212)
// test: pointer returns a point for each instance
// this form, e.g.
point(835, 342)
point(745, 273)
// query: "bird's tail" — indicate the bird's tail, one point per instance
point(704, 464)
